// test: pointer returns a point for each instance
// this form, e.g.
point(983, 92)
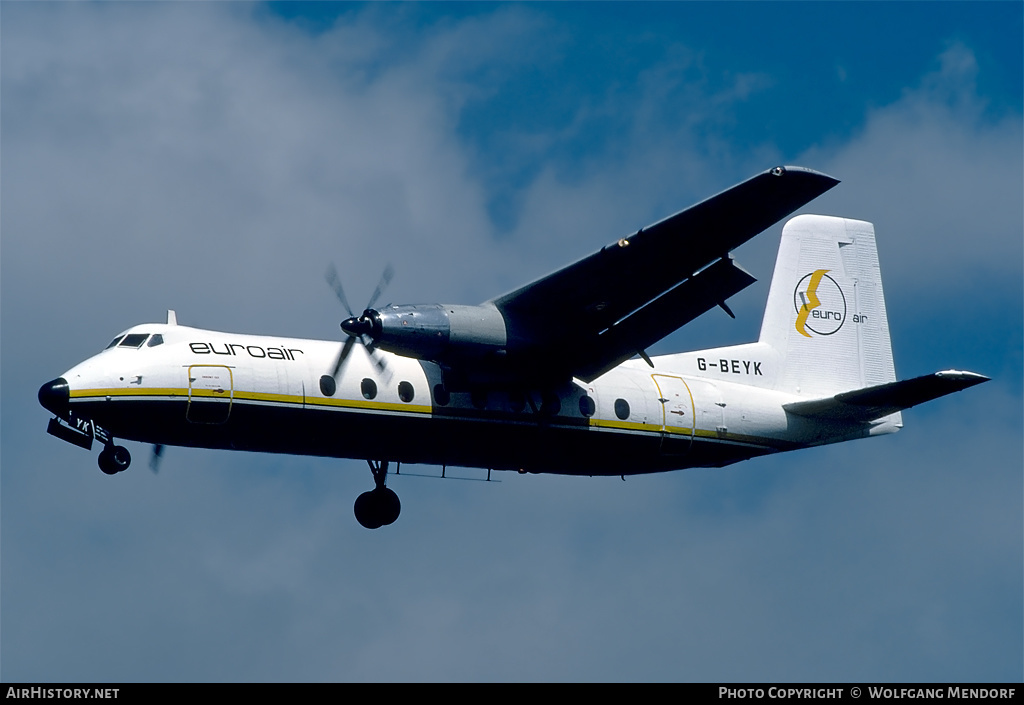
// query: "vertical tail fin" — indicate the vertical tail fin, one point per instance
point(825, 315)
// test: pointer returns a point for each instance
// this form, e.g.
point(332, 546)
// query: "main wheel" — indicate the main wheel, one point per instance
point(388, 505)
point(378, 507)
point(114, 459)
point(366, 511)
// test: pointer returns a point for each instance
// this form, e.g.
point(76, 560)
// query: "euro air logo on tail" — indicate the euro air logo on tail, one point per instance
point(820, 304)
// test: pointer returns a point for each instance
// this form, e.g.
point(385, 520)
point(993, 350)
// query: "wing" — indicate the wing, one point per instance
point(587, 318)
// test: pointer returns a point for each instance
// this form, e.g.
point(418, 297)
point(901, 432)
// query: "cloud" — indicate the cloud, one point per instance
point(936, 173)
point(253, 151)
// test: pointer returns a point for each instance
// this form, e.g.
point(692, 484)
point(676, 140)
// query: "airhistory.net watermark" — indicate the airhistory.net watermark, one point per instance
point(61, 693)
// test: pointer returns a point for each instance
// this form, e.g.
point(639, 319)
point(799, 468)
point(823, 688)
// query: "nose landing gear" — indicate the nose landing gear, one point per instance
point(380, 506)
point(114, 459)
point(82, 431)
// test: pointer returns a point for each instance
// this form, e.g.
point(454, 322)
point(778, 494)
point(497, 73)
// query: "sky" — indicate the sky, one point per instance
point(213, 158)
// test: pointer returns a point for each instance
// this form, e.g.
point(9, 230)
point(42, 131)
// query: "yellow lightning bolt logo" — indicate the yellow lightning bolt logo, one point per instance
point(811, 301)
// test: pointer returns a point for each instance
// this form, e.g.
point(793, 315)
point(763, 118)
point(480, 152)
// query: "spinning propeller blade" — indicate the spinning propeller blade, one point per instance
point(342, 356)
point(385, 279)
point(335, 283)
point(154, 459)
point(358, 328)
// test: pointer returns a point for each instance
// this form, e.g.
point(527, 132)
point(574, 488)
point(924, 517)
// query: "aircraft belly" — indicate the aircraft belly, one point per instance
point(470, 441)
point(550, 447)
point(571, 446)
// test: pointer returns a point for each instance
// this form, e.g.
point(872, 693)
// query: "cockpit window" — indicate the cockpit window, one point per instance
point(133, 340)
point(154, 340)
point(114, 342)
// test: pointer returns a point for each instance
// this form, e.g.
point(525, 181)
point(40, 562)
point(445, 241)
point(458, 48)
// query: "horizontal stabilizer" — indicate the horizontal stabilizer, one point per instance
point(870, 403)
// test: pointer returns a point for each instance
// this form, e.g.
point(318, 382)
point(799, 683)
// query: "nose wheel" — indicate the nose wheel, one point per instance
point(380, 506)
point(114, 459)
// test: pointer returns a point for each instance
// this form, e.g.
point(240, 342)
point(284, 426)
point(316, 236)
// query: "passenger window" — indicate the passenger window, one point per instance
point(622, 409)
point(405, 391)
point(478, 398)
point(368, 388)
point(441, 395)
point(587, 406)
point(550, 405)
point(328, 386)
point(516, 401)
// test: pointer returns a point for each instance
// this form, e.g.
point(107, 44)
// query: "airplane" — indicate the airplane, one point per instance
point(553, 377)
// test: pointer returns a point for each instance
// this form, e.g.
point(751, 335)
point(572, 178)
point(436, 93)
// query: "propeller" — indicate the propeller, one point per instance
point(358, 328)
point(154, 459)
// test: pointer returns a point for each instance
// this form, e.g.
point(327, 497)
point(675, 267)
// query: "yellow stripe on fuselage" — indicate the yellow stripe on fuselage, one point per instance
point(247, 396)
point(129, 392)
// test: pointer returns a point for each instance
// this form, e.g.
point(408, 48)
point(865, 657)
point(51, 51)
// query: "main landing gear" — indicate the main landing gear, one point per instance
point(380, 506)
point(114, 459)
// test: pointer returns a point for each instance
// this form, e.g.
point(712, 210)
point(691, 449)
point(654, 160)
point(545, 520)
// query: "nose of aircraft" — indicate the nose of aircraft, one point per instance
point(55, 397)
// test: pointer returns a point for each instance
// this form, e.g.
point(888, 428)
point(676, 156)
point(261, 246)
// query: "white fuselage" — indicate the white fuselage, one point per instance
point(224, 390)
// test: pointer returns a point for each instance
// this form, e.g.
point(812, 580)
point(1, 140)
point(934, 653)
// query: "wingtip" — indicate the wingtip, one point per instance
point(792, 169)
point(963, 376)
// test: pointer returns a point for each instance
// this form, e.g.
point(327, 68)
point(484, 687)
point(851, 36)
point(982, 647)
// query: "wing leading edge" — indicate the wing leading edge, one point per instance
point(588, 317)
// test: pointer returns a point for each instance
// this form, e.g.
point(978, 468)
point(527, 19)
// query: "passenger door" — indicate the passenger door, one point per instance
point(210, 393)
point(676, 414)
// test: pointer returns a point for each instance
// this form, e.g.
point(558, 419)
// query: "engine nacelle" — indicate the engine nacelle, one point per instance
point(439, 332)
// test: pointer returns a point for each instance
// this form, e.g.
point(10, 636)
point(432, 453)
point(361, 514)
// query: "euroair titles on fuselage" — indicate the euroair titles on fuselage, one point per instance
point(256, 351)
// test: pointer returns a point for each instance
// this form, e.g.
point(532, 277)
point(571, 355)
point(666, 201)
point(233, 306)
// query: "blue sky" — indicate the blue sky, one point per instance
point(213, 158)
